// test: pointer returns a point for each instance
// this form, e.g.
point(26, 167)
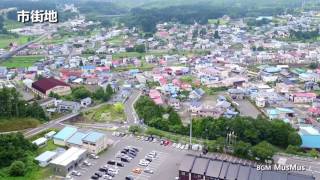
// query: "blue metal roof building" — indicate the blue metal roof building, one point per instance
point(76, 138)
point(46, 157)
point(93, 137)
point(310, 141)
point(65, 133)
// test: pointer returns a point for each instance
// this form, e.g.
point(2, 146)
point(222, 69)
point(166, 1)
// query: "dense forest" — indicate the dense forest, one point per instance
point(12, 106)
point(249, 131)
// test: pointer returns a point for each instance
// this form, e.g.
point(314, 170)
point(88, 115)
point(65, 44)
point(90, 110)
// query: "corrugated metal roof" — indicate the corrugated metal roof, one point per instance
point(93, 136)
point(65, 133)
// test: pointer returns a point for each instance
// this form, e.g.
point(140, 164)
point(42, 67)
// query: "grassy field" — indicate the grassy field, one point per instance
point(116, 41)
point(5, 40)
point(17, 124)
point(20, 61)
point(105, 113)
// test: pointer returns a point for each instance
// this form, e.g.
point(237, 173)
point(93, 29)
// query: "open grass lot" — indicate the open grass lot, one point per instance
point(116, 41)
point(106, 113)
point(5, 40)
point(17, 124)
point(20, 61)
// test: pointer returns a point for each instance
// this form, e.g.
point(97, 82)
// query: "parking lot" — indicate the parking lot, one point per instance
point(165, 165)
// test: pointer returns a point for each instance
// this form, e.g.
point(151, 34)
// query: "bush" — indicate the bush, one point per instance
point(135, 129)
point(17, 168)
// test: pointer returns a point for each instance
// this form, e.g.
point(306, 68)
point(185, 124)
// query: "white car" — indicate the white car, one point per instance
point(178, 146)
point(186, 147)
point(75, 173)
point(144, 162)
point(86, 163)
point(113, 171)
point(106, 176)
point(174, 145)
point(182, 146)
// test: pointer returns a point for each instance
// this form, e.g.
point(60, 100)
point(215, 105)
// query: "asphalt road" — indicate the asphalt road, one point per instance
point(132, 117)
point(48, 125)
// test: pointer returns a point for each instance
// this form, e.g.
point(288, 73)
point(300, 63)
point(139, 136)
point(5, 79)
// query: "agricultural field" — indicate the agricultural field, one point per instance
point(5, 40)
point(20, 61)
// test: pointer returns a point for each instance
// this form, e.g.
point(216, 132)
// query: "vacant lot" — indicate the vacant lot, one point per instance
point(20, 61)
point(15, 124)
point(106, 113)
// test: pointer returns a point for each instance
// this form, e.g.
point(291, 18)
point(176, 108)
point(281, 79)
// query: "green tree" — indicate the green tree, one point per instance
point(294, 139)
point(263, 151)
point(313, 65)
point(17, 168)
point(293, 149)
point(118, 107)
point(135, 129)
point(314, 153)
point(80, 93)
point(241, 149)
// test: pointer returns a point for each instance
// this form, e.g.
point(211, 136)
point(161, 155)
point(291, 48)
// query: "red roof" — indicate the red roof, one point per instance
point(307, 94)
point(43, 85)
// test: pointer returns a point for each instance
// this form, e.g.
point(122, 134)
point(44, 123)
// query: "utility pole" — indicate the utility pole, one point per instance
point(190, 132)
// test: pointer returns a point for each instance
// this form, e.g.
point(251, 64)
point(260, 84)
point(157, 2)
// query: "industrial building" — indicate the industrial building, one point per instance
point(68, 160)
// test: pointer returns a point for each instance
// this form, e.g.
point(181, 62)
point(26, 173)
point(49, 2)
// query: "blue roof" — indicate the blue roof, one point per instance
point(46, 156)
point(76, 138)
point(310, 141)
point(93, 136)
point(65, 133)
point(88, 67)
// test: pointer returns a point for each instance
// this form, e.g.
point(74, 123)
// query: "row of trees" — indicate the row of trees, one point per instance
point(140, 48)
point(82, 92)
point(254, 137)
point(304, 35)
point(12, 106)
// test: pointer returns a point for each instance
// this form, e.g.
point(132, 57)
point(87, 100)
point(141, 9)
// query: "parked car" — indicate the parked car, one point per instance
point(107, 176)
point(124, 160)
point(129, 177)
point(147, 170)
point(94, 176)
point(93, 156)
point(112, 162)
point(86, 163)
point(144, 162)
point(103, 169)
point(99, 174)
point(76, 173)
point(120, 164)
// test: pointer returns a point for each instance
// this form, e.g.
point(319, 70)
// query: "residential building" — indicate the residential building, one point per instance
point(303, 97)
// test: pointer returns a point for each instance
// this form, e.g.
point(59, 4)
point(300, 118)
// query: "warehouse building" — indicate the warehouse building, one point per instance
point(68, 160)
point(62, 136)
point(203, 168)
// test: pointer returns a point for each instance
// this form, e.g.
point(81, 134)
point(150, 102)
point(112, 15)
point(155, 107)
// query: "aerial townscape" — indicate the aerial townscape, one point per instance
point(160, 90)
